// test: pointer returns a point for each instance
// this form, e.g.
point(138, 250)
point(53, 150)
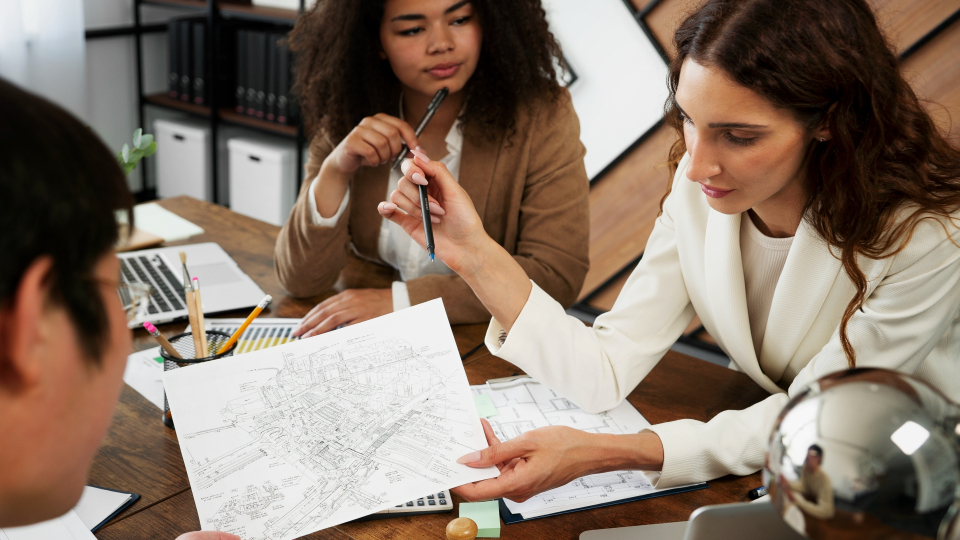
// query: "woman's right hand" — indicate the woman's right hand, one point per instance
point(459, 237)
point(375, 141)
point(460, 240)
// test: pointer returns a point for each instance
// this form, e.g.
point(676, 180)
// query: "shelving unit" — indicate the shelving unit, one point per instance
point(216, 12)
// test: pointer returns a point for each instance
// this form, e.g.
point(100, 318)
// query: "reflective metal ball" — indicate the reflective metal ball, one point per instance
point(867, 453)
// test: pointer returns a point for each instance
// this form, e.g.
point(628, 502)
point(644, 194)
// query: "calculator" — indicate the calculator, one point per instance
point(435, 503)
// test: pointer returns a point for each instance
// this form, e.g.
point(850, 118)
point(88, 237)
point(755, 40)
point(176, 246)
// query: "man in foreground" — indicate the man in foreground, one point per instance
point(63, 332)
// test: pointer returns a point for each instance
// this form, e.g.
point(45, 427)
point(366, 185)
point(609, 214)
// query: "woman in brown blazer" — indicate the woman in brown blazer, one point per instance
point(507, 132)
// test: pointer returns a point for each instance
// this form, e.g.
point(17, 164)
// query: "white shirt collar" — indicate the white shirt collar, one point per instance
point(454, 138)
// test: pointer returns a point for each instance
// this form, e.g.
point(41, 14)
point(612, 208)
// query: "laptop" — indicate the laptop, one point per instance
point(223, 286)
point(739, 521)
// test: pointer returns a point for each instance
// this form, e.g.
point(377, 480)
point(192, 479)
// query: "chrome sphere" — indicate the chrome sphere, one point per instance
point(867, 453)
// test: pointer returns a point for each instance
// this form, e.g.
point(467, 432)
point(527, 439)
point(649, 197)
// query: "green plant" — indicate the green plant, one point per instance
point(143, 146)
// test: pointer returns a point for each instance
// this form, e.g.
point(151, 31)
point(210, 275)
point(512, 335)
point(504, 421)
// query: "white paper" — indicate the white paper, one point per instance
point(98, 504)
point(144, 374)
point(285, 441)
point(524, 404)
point(155, 219)
point(65, 527)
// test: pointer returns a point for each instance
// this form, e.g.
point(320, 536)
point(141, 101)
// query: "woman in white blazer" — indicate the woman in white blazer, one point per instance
point(811, 224)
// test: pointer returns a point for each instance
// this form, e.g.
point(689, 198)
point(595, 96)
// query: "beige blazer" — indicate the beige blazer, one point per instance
point(530, 190)
point(692, 264)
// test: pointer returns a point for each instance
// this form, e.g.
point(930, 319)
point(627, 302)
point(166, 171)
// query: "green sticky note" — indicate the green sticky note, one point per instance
point(486, 515)
point(485, 406)
point(158, 359)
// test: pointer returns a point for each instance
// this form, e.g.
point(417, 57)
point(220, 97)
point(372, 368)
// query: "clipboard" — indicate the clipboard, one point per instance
point(510, 518)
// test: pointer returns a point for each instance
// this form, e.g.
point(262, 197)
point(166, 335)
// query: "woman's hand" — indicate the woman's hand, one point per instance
point(459, 237)
point(375, 141)
point(550, 457)
point(532, 463)
point(349, 307)
point(208, 535)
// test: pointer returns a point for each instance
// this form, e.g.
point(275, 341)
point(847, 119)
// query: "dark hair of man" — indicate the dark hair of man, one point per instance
point(815, 448)
point(341, 78)
point(60, 188)
point(886, 166)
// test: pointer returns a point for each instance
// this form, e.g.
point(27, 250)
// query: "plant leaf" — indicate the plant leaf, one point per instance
point(128, 167)
point(150, 150)
point(135, 156)
point(137, 135)
point(125, 152)
point(145, 141)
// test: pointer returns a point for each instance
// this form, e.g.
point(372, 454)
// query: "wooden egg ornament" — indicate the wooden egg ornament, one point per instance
point(462, 529)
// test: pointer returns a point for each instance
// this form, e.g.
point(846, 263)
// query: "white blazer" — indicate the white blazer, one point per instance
point(692, 265)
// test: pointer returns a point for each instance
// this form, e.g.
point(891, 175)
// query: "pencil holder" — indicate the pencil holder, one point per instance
point(183, 343)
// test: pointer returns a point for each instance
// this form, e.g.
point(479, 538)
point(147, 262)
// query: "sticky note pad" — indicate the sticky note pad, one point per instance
point(485, 406)
point(486, 515)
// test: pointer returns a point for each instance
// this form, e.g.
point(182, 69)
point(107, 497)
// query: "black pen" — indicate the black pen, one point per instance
point(424, 200)
point(755, 494)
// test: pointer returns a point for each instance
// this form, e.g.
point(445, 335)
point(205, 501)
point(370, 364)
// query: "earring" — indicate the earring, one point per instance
point(822, 139)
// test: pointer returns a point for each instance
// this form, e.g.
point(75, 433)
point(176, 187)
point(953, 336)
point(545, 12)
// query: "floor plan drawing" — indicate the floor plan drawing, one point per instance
point(523, 404)
point(285, 441)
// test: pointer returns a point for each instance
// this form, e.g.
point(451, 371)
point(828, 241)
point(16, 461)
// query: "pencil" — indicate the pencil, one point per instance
point(236, 335)
point(191, 309)
point(203, 336)
point(424, 200)
point(192, 317)
point(162, 340)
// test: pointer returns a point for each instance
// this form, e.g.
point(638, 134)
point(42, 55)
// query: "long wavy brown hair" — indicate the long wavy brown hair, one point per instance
point(341, 78)
point(886, 167)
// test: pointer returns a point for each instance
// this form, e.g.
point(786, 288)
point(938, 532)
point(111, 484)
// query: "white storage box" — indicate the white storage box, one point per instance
point(262, 179)
point(183, 159)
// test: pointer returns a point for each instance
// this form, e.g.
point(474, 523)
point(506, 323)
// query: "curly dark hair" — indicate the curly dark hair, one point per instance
point(341, 78)
point(886, 167)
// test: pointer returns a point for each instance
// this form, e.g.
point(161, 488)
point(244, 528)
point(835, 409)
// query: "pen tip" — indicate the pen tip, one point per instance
point(431, 257)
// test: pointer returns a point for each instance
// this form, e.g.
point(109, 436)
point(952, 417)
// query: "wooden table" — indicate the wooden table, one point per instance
point(142, 456)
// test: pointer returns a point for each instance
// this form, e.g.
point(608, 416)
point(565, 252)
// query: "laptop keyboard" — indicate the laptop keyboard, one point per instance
point(166, 292)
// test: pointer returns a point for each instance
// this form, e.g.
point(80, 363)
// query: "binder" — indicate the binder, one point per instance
point(173, 75)
point(251, 48)
point(199, 63)
point(240, 89)
point(510, 518)
point(261, 74)
point(293, 104)
point(134, 497)
point(270, 105)
point(186, 58)
point(283, 85)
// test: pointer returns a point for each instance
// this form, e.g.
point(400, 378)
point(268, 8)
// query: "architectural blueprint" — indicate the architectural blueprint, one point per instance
point(523, 404)
point(285, 441)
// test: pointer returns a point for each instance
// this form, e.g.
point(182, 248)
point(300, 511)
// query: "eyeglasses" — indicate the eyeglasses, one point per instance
point(135, 298)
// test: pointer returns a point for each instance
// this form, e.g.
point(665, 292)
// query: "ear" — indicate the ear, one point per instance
point(823, 131)
point(22, 333)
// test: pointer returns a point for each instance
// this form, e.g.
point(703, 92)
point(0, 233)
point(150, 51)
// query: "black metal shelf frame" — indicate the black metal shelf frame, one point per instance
point(215, 14)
